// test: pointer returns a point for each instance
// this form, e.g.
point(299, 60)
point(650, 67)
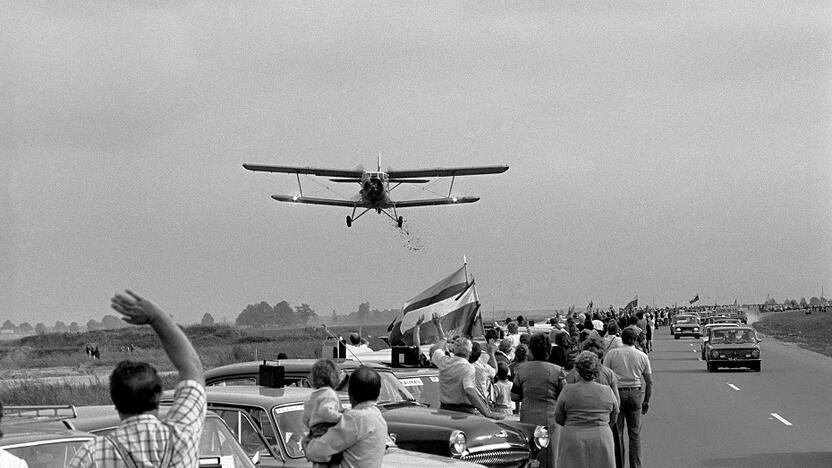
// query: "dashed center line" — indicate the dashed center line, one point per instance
point(781, 419)
point(733, 386)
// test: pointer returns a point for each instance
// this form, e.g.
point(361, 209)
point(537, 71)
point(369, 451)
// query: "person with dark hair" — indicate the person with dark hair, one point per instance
point(537, 384)
point(8, 460)
point(135, 388)
point(361, 434)
point(357, 345)
point(635, 387)
point(585, 409)
point(322, 409)
point(502, 390)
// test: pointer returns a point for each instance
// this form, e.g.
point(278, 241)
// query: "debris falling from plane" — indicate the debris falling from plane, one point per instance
point(409, 240)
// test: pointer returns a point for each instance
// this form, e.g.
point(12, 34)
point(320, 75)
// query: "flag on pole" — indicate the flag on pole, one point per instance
point(453, 298)
point(632, 304)
point(695, 299)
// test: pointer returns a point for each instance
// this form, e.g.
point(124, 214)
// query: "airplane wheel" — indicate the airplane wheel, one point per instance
point(399, 222)
point(349, 221)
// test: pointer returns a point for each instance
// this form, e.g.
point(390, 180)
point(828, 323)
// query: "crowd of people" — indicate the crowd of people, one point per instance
point(588, 381)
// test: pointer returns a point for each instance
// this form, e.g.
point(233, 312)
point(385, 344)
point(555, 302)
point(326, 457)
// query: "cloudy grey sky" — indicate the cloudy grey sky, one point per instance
point(659, 151)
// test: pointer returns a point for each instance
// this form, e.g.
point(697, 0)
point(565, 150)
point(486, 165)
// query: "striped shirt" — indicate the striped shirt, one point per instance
point(146, 437)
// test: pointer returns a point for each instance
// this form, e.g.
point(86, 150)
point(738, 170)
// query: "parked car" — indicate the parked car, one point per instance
point(686, 325)
point(733, 347)
point(416, 427)
point(29, 435)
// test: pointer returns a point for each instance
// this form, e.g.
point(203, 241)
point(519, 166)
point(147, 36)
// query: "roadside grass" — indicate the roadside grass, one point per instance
point(810, 331)
point(42, 356)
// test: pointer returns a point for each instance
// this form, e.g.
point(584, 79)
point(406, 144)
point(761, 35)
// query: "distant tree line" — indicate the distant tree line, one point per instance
point(283, 314)
point(109, 322)
point(802, 303)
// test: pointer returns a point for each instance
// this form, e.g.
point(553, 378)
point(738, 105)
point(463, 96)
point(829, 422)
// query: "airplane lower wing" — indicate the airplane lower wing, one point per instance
point(317, 201)
point(434, 201)
point(316, 171)
point(447, 172)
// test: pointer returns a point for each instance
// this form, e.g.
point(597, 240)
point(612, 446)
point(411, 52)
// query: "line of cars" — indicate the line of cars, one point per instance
point(726, 341)
point(250, 424)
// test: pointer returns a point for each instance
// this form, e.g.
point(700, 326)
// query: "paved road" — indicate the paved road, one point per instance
point(780, 417)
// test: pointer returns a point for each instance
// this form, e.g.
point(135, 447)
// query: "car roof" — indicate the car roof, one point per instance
point(290, 366)
point(253, 395)
point(33, 434)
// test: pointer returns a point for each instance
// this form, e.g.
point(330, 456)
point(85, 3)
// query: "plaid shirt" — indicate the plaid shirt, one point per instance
point(146, 437)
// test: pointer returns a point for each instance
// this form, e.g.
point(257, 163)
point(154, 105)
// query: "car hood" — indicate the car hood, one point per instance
point(421, 421)
point(718, 346)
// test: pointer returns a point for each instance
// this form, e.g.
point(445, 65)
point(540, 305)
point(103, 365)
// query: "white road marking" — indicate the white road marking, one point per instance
point(781, 419)
point(733, 386)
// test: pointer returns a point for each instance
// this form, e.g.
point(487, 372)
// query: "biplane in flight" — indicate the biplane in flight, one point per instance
point(376, 186)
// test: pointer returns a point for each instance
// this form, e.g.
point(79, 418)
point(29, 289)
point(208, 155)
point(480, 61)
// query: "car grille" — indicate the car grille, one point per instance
point(735, 353)
point(498, 457)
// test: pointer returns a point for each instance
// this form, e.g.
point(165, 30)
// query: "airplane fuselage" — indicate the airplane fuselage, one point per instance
point(374, 189)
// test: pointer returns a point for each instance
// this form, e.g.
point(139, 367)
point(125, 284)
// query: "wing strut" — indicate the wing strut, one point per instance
point(452, 186)
point(299, 186)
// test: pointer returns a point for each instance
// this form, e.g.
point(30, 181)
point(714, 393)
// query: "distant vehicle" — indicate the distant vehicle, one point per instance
point(733, 347)
point(685, 325)
point(419, 428)
point(375, 187)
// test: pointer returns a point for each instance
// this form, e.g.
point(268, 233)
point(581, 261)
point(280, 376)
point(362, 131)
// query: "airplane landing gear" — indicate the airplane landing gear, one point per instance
point(349, 221)
point(399, 222)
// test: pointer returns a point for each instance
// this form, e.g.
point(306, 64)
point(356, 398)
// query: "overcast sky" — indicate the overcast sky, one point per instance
point(659, 151)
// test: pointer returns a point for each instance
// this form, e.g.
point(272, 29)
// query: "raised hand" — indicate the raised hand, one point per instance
point(135, 309)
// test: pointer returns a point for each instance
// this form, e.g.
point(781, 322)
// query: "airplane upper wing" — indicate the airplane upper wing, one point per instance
point(434, 201)
point(318, 201)
point(447, 171)
point(316, 171)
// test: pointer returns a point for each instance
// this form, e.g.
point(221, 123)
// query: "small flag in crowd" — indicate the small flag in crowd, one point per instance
point(695, 299)
point(632, 304)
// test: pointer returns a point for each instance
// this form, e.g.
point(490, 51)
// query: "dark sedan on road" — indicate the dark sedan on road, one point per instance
point(733, 347)
point(416, 427)
point(686, 325)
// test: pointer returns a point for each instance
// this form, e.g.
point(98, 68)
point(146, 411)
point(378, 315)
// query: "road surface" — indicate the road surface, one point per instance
point(780, 417)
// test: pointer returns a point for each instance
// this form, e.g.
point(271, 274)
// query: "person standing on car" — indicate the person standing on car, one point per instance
point(361, 433)
point(635, 387)
point(142, 439)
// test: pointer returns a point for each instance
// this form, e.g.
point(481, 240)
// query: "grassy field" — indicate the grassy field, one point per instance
point(24, 362)
point(811, 331)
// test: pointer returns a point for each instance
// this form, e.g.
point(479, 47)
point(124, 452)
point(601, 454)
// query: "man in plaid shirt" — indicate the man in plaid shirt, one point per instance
point(142, 440)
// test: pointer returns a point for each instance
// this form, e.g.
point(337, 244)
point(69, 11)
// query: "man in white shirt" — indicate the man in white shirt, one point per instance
point(357, 345)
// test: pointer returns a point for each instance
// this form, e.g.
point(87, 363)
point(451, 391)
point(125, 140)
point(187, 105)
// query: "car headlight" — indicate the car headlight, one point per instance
point(695, 328)
point(457, 443)
point(755, 353)
point(715, 354)
point(541, 437)
point(678, 329)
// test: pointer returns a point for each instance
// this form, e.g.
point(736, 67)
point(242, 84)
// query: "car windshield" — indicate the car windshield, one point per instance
point(217, 441)
point(54, 455)
point(732, 336)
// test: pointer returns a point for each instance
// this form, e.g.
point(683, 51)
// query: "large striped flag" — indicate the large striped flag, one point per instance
point(454, 299)
point(632, 304)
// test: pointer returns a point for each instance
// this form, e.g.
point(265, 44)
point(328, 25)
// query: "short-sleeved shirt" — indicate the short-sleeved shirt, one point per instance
point(483, 375)
point(146, 437)
point(455, 375)
point(629, 364)
point(361, 435)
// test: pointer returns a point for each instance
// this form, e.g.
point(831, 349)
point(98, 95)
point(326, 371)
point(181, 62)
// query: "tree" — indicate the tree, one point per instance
point(814, 301)
point(74, 327)
point(26, 327)
point(93, 325)
point(40, 328)
point(254, 315)
point(207, 320)
point(8, 325)
point(304, 313)
point(59, 327)
point(111, 322)
point(803, 303)
point(363, 312)
point(284, 314)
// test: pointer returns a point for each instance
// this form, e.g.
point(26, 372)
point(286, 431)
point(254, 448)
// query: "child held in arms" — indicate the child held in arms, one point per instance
point(323, 408)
